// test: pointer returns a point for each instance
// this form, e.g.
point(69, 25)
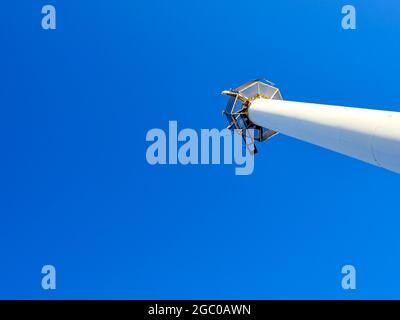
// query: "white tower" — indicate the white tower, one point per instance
point(369, 135)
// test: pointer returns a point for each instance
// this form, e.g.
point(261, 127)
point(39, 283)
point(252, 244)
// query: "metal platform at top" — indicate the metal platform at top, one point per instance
point(236, 110)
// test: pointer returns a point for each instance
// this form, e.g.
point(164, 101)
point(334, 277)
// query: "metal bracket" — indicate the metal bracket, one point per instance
point(236, 110)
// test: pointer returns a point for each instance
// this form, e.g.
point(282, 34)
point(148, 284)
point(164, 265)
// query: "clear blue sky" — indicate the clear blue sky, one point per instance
point(77, 192)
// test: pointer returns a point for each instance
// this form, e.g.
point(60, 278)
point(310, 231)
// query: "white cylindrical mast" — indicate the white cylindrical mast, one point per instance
point(372, 136)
